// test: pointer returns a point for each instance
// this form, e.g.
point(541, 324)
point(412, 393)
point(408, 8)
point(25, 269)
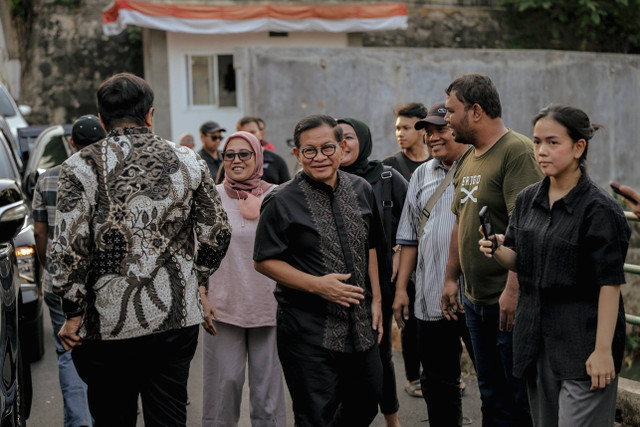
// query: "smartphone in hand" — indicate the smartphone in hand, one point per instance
point(616, 189)
point(487, 228)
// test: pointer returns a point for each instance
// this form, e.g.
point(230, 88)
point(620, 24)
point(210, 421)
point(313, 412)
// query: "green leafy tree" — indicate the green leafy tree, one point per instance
point(593, 25)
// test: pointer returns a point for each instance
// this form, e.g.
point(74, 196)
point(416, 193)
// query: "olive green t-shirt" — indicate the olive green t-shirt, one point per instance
point(492, 179)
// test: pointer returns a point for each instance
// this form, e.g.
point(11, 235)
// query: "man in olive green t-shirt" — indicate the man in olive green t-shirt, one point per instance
point(500, 164)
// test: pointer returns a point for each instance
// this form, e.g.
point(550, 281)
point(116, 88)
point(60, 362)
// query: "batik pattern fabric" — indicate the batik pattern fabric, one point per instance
point(123, 247)
point(321, 230)
point(337, 257)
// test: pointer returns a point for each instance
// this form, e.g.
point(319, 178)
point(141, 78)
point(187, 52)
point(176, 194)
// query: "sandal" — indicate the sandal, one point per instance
point(413, 388)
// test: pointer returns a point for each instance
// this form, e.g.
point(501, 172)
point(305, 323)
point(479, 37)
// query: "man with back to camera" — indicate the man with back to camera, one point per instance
point(425, 246)
point(497, 167)
point(316, 237)
point(211, 136)
point(125, 264)
point(413, 153)
point(187, 140)
point(85, 131)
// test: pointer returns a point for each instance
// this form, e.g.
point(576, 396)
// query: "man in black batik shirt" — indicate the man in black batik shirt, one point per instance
point(317, 237)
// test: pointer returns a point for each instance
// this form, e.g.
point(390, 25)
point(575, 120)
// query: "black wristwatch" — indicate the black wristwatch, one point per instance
point(72, 314)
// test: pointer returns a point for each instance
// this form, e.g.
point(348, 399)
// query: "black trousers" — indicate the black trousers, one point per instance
point(154, 367)
point(409, 338)
point(440, 350)
point(329, 388)
point(389, 403)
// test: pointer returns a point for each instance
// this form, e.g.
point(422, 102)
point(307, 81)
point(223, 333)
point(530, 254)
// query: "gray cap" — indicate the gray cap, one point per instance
point(211, 127)
point(434, 117)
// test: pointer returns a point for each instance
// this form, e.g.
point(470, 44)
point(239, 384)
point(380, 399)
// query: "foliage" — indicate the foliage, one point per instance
point(594, 25)
point(21, 8)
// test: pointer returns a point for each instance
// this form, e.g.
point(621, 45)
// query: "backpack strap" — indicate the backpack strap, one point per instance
point(387, 204)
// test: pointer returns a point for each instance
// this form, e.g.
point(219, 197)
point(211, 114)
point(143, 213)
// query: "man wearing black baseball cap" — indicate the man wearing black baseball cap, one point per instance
point(211, 136)
point(86, 130)
point(423, 243)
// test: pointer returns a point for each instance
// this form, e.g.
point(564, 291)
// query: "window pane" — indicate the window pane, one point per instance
point(226, 81)
point(201, 84)
point(53, 154)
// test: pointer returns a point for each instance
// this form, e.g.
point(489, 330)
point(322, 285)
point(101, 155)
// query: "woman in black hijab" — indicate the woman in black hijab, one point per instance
point(390, 189)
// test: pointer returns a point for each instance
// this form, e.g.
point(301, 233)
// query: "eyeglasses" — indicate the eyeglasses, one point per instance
point(229, 156)
point(215, 137)
point(311, 152)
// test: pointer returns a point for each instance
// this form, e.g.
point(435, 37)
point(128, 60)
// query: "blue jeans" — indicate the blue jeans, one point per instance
point(504, 397)
point(74, 391)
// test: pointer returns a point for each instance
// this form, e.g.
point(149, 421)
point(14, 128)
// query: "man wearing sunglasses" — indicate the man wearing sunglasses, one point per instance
point(317, 237)
point(211, 137)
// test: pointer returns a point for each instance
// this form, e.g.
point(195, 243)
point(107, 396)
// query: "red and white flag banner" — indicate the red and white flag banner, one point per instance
point(233, 19)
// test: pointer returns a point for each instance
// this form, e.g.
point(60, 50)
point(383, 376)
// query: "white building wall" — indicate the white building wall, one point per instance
point(185, 118)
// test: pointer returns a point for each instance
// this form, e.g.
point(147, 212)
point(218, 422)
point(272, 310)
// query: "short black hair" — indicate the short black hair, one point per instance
point(124, 98)
point(246, 120)
point(412, 109)
point(477, 89)
point(315, 121)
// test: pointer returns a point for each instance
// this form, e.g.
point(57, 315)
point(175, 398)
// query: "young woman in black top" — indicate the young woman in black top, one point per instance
point(567, 239)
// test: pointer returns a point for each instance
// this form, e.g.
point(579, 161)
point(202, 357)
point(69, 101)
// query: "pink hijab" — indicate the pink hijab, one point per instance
point(254, 184)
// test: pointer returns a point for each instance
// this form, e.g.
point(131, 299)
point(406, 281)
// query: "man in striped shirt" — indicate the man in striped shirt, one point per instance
point(427, 254)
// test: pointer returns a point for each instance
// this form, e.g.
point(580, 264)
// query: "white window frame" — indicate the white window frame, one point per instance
point(214, 99)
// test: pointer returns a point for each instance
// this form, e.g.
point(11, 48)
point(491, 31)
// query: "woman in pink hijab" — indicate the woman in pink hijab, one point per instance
point(245, 308)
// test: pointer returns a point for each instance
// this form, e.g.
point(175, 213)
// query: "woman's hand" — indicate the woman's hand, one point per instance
point(486, 245)
point(600, 368)
point(376, 314)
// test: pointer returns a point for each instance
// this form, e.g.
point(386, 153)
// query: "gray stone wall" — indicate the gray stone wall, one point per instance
point(66, 56)
point(367, 83)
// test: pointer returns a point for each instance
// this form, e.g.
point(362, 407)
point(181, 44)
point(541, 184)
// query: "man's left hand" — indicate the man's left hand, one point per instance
point(68, 334)
point(395, 264)
point(376, 314)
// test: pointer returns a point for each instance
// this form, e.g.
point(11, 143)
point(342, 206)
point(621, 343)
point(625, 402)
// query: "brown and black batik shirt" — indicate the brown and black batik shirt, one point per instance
point(123, 248)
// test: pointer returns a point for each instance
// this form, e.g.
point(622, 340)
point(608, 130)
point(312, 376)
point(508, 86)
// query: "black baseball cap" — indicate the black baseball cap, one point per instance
point(87, 130)
point(211, 127)
point(434, 117)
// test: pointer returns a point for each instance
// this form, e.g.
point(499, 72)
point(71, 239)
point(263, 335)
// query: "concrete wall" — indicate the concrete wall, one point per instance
point(367, 83)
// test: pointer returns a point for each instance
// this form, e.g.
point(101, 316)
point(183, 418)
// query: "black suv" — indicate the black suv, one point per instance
point(29, 268)
point(15, 387)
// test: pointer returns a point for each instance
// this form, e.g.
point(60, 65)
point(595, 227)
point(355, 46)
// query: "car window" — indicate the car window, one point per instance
point(6, 106)
point(54, 153)
point(7, 168)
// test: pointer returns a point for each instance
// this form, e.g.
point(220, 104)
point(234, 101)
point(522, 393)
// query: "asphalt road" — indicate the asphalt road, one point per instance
point(47, 400)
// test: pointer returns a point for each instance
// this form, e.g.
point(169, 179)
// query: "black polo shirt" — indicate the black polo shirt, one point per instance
point(212, 162)
point(319, 230)
point(564, 255)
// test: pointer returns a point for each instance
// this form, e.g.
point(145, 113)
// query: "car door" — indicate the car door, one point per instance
point(50, 149)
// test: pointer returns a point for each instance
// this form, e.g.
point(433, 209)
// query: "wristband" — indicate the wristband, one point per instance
point(72, 314)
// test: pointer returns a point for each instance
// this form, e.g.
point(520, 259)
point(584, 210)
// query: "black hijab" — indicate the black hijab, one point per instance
point(363, 167)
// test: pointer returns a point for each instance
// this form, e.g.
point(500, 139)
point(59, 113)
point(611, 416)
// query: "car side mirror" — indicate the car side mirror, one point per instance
point(13, 210)
point(25, 110)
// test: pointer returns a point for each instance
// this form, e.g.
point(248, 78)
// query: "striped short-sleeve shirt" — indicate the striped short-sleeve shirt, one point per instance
point(433, 248)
